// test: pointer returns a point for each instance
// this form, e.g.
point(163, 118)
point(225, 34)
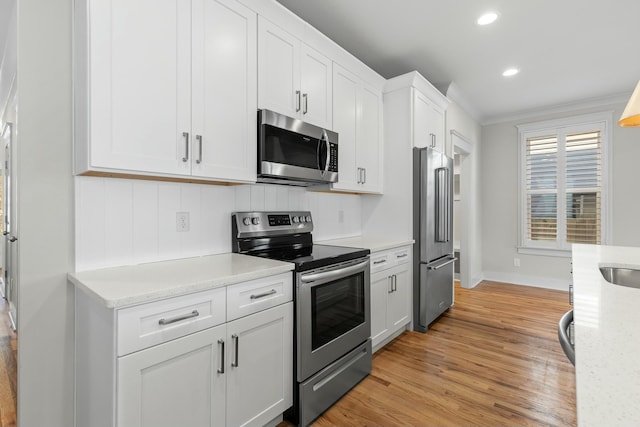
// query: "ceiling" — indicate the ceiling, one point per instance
point(569, 51)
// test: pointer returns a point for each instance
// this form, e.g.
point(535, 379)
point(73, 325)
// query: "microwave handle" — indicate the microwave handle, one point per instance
point(325, 138)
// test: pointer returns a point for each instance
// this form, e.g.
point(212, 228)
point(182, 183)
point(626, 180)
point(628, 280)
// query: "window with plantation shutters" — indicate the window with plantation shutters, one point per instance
point(563, 187)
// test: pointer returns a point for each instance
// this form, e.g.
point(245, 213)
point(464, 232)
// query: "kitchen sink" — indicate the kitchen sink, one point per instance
point(621, 276)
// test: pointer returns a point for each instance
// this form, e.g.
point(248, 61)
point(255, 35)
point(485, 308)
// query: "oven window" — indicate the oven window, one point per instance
point(283, 146)
point(336, 308)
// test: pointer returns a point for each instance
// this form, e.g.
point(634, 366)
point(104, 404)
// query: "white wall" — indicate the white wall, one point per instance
point(500, 202)
point(470, 205)
point(124, 222)
point(45, 214)
point(8, 63)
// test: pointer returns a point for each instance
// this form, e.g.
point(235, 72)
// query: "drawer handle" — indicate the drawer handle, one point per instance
point(164, 321)
point(264, 294)
point(402, 256)
point(379, 262)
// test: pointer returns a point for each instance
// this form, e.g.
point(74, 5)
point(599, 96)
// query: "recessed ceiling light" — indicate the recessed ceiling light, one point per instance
point(510, 72)
point(487, 18)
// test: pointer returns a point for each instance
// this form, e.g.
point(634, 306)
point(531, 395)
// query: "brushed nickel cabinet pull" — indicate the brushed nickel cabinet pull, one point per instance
point(297, 101)
point(186, 145)
point(164, 321)
point(237, 340)
point(199, 139)
point(264, 294)
point(221, 368)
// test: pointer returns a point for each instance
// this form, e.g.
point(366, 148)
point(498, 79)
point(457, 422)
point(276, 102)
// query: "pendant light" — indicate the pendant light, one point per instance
point(631, 115)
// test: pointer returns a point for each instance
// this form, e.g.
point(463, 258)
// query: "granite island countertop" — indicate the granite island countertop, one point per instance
point(121, 286)
point(607, 338)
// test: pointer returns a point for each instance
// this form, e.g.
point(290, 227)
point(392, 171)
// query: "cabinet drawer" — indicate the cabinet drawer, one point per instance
point(150, 324)
point(257, 295)
point(380, 261)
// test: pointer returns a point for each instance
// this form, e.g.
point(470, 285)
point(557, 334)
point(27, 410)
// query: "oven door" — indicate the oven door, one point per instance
point(333, 314)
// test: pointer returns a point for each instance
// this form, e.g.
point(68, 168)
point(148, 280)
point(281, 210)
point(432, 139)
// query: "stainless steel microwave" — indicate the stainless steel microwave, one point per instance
point(293, 152)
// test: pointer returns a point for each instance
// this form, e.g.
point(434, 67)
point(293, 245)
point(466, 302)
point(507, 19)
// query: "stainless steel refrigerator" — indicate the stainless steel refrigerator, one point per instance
point(433, 234)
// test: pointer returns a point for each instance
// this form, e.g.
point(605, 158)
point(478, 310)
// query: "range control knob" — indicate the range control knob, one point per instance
point(246, 220)
point(255, 220)
point(295, 219)
point(308, 218)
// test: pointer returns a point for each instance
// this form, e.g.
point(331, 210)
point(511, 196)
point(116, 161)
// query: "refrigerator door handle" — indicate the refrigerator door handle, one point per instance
point(435, 266)
point(442, 205)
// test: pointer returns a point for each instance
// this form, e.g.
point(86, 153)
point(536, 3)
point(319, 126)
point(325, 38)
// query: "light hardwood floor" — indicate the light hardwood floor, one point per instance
point(491, 360)
point(8, 368)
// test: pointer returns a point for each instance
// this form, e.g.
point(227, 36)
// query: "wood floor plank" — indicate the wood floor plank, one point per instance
point(8, 369)
point(491, 360)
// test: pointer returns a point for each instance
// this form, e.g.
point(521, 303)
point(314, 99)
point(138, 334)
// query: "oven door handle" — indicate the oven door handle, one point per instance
point(332, 274)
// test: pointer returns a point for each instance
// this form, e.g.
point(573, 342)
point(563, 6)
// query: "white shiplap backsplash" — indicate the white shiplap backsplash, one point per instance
point(125, 222)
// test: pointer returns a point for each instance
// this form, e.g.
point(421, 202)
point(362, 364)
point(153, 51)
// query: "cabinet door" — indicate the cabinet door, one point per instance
point(400, 299)
point(260, 375)
point(345, 122)
point(224, 90)
point(316, 76)
point(140, 87)
point(437, 117)
point(278, 70)
point(369, 138)
point(428, 123)
point(174, 384)
point(422, 131)
point(380, 289)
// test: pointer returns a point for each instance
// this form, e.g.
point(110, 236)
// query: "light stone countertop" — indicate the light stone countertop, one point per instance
point(121, 286)
point(607, 338)
point(374, 244)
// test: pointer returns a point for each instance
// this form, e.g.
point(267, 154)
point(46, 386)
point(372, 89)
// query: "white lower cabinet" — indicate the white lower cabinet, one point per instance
point(391, 291)
point(238, 372)
point(260, 366)
point(175, 383)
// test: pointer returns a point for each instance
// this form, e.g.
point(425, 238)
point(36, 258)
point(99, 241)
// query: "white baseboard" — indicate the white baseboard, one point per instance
point(522, 279)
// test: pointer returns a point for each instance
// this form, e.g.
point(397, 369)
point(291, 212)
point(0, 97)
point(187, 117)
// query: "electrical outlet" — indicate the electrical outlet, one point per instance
point(340, 216)
point(516, 262)
point(182, 221)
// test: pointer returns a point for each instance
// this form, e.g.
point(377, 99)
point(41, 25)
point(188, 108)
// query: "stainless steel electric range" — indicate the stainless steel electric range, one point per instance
point(332, 338)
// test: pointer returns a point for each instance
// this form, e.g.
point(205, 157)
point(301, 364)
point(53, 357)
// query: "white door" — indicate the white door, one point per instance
point(177, 383)
point(224, 90)
point(345, 122)
point(400, 298)
point(278, 70)
point(380, 290)
point(140, 67)
point(10, 194)
point(316, 76)
point(369, 141)
point(6, 137)
point(260, 375)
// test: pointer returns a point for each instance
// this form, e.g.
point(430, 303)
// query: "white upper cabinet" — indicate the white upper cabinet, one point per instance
point(357, 117)
point(165, 87)
point(224, 90)
point(428, 123)
point(293, 78)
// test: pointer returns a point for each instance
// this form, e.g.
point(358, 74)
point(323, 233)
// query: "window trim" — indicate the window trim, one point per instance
point(603, 120)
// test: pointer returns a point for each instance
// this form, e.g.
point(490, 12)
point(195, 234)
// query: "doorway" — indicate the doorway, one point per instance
point(462, 150)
